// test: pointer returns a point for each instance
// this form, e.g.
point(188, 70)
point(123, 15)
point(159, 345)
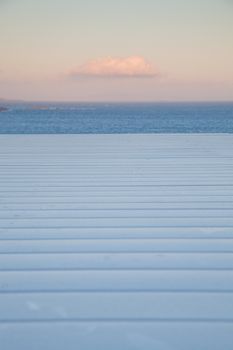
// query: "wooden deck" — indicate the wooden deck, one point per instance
point(116, 242)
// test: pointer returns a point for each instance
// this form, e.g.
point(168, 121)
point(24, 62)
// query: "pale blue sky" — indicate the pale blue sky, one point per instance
point(188, 42)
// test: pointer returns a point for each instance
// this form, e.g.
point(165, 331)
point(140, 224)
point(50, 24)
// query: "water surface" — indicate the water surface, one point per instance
point(110, 118)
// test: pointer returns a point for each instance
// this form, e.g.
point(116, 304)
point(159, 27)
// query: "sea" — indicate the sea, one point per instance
point(111, 118)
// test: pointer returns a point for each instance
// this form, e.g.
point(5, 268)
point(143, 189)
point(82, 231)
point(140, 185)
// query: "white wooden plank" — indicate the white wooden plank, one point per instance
point(113, 261)
point(116, 213)
point(116, 245)
point(122, 280)
point(117, 222)
point(117, 335)
point(116, 306)
point(64, 233)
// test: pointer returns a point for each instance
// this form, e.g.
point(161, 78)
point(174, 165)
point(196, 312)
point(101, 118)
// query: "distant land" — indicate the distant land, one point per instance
point(3, 109)
point(6, 100)
point(43, 104)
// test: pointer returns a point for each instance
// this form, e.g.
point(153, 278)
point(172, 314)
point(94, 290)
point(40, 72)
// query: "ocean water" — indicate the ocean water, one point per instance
point(110, 118)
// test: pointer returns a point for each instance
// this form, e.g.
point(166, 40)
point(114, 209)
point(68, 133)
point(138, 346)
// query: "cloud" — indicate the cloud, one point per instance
point(114, 67)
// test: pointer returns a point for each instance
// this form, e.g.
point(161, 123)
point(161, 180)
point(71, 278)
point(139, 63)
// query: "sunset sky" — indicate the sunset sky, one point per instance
point(116, 50)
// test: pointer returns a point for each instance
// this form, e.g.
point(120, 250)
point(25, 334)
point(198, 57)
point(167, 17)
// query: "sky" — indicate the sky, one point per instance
point(116, 50)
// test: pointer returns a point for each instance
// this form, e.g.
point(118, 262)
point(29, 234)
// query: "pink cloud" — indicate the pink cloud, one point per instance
point(128, 67)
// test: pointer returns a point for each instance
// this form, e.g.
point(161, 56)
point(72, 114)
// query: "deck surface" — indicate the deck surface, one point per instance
point(116, 242)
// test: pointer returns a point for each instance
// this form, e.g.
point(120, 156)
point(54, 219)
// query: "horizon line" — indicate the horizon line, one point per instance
point(7, 100)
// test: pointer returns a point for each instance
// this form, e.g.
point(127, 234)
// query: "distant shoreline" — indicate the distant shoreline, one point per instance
point(3, 109)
